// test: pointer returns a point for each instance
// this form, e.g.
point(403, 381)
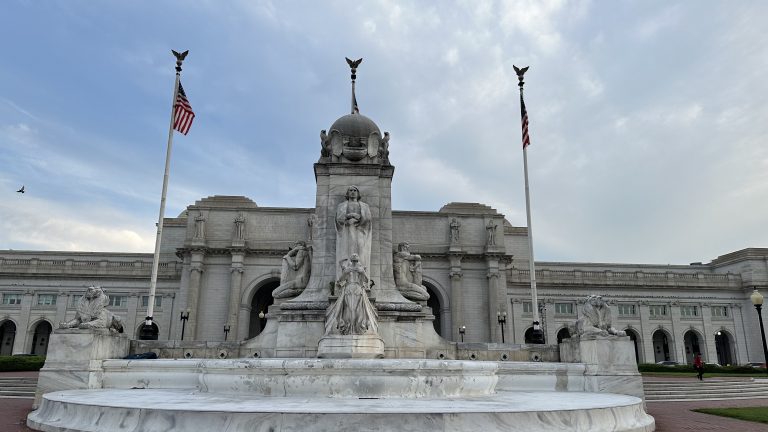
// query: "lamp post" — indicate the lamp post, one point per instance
point(184, 318)
point(502, 318)
point(462, 330)
point(226, 332)
point(757, 300)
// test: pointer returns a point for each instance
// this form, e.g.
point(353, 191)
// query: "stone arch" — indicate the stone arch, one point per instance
point(634, 336)
point(528, 335)
point(663, 345)
point(257, 298)
point(8, 330)
point(137, 332)
point(563, 333)
point(440, 303)
point(693, 342)
point(725, 345)
point(38, 335)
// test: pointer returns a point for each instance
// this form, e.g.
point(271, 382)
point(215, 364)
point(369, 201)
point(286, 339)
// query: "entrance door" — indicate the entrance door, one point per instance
point(660, 346)
point(691, 346)
point(724, 348)
point(7, 337)
point(41, 337)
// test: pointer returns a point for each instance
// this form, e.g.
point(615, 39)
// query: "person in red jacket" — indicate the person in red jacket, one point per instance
point(699, 366)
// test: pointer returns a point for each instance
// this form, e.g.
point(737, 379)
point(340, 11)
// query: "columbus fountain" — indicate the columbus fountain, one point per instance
point(349, 344)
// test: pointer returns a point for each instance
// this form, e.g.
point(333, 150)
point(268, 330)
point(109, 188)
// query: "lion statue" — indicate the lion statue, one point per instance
point(595, 319)
point(92, 313)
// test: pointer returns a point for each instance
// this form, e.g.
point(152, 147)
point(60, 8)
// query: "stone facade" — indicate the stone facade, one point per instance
point(654, 304)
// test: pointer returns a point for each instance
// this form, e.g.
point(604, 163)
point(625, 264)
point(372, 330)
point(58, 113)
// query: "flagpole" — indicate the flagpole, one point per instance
point(537, 335)
point(148, 332)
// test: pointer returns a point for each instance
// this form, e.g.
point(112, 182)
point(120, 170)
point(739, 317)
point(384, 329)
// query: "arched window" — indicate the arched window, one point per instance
point(260, 303)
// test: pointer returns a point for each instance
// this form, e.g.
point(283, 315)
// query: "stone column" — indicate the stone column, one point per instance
point(734, 310)
point(677, 344)
point(195, 278)
point(646, 333)
point(235, 288)
point(493, 300)
point(132, 308)
point(457, 312)
point(709, 345)
point(62, 301)
point(22, 331)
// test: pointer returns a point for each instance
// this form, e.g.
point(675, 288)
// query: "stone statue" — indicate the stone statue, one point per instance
point(325, 144)
point(92, 313)
point(239, 227)
point(491, 228)
point(407, 268)
point(311, 221)
point(384, 148)
point(352, 313)
point(295, 271)
point(595, 319)
point(199, 226)
point(455, 225)
point(353, 230)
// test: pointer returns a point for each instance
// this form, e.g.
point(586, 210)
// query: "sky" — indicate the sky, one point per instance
point(647, 118)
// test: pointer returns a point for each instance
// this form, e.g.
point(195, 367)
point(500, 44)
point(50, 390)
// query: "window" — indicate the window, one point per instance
point(46, 299)
point(719, 311)
point(689, 311)
point(118, 301)
point(658, 310)
point(564, 308)
point(627, 309)
point(145, 301)
point(527, 307)
point(11, 299)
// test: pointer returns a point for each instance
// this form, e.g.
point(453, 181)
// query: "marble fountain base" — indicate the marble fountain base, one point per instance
point(338, 395)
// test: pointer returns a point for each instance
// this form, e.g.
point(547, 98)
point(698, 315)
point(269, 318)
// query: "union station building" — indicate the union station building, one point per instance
point(221, 259)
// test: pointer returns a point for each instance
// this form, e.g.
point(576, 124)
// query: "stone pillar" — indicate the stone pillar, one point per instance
point(734, 310)
point(195, 278)
point(132, 308)
point(62, 301)
point(22, 331)
point(677, 344)
point(494, 306)
point(646, 333)
point(709, 345)
point(235, 288)
point(610, 363)
point(457, 312)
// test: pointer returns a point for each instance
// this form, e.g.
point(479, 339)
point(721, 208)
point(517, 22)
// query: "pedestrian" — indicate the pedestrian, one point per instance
point(699, 366)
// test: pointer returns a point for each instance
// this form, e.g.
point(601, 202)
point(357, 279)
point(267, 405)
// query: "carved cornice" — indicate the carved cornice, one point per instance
point(456, 275)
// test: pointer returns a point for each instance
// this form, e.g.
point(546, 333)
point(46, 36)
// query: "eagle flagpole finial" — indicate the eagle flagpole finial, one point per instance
point(179, 58)
point(520, 72)
point(353, 64)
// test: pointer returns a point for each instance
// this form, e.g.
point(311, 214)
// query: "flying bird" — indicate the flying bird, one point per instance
point(21, 190)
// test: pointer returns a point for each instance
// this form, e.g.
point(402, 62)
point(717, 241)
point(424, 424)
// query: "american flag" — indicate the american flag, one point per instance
point(524, 119)
point(182, 112)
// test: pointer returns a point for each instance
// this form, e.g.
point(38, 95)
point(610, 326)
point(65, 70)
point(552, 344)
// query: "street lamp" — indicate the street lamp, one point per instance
point(226, 332)
point(757, 300)
point(184, 318)
point(462, 330)
point(502, 318)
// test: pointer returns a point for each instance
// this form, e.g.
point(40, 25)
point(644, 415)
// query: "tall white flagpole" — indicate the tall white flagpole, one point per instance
point(147, 330)
point(537, 334)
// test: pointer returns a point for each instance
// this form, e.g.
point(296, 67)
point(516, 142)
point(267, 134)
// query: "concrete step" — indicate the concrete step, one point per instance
point(9, 393)
point(705, 390)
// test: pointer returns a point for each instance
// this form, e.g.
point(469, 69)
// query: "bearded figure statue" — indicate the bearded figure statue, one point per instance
point(595, 319)
point(92, 313)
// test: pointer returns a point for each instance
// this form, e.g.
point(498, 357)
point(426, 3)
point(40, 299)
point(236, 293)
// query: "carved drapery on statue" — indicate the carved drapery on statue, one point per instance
point(353, 230)
point(595, 319)
point(295, 271)
point(408, 275)
point(352, 313)
point(92, 313)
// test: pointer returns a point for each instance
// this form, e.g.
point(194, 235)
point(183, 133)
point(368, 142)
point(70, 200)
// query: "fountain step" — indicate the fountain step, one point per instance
point(191, 410)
